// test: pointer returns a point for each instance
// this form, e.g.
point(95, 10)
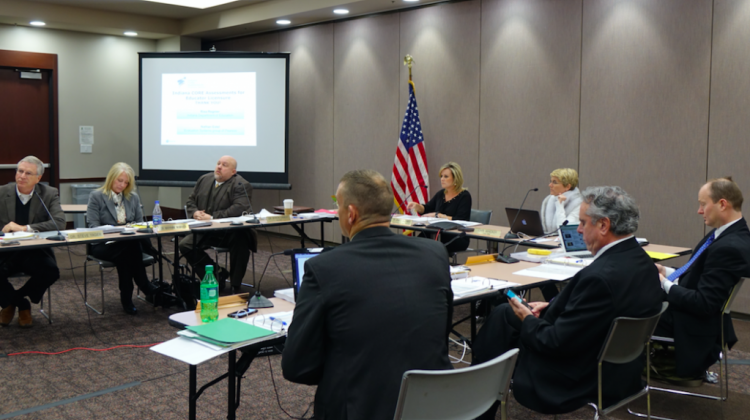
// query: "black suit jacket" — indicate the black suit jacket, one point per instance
point(368, 311)
point(695, 303)
point(38, 218)
point(557, 365)
point(230, 199)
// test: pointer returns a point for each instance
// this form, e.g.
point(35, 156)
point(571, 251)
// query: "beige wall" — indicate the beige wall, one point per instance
point(647, 95)
point(98, 86)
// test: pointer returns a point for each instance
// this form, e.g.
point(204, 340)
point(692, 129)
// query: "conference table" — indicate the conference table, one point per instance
point(508, 273)
point(215, 227)
point(185, 350)
point(74, 208)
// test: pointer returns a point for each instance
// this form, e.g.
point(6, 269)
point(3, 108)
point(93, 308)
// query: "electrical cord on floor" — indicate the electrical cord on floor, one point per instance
point(463, 354)
point(270, 245)
point(166, 376)
point(88, 313)
point(81, 348)
point(278, 400)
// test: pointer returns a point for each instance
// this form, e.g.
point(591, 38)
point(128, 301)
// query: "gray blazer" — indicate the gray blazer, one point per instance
point(38, 218)
point(101, 209)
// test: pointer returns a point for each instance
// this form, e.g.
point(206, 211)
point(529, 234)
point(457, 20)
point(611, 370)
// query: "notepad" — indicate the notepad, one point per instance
point(229, 330)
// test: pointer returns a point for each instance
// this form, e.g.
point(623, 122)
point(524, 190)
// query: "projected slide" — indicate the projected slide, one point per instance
point(209, 109)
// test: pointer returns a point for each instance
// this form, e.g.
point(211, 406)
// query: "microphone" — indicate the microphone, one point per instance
point(258, 301)
point(140, 203)
point(459, 236)
point(565, 223)
point(254, 219)
point(59, 236)
point(510, 234)
point(409, 195)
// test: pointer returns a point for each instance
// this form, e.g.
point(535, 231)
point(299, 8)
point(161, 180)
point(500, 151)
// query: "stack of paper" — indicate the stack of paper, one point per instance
point(459, 272)
point(570, 261)
point(286, 294)
point(550, 271)
point(18, 236)
point(227, 333)
point(104, 228)
point(473, 285)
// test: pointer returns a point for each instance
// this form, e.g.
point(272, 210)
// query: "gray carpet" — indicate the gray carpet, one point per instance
point(136, 383)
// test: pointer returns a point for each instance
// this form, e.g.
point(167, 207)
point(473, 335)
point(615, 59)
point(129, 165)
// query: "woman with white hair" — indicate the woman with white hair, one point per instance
point(564, 200)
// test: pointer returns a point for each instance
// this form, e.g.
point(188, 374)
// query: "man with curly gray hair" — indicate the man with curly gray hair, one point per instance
point(559, 341)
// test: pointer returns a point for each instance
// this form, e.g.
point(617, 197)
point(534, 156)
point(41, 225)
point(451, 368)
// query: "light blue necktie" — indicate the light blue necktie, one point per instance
point(680, 271)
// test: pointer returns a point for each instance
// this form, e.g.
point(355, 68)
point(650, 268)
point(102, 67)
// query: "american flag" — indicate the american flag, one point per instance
point(410, 165)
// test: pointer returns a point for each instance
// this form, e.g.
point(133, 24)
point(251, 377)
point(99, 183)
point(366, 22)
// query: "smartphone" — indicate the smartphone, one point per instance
point(9, 243)
point(509, 293)
point(243, 313)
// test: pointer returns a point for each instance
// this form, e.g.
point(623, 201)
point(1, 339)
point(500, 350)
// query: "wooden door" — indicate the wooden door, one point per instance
point(28, 113)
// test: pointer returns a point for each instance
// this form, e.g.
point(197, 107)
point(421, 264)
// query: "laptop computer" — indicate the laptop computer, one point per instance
point(573, 243)
point(298, 267)
point(528, 221)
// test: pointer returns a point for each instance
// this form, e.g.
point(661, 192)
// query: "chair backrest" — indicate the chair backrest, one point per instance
point(455, 394)
point(728, 306)
point(628, 336)
point(481, 216)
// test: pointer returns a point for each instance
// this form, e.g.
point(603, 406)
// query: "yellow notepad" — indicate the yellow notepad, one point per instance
point(658, 256)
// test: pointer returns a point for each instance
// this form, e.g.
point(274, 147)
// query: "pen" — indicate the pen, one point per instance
point(283, 323)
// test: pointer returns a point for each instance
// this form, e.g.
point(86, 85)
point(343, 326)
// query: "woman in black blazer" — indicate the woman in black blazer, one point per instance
point(452, 202)
point(115, 203)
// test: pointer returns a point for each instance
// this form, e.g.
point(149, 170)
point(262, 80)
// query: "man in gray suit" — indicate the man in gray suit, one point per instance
point(20, 211)
point(216, 195)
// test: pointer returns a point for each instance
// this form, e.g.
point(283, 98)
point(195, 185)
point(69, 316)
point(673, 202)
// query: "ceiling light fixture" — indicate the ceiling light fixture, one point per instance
point(37, 23)
point(411, 1)
point(283, 22)
point(341, 11)
point(130, 33)
point(195, 4)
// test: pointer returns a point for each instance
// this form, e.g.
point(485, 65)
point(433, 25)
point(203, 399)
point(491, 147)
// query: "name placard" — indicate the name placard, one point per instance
point(81, 236)
point(171, 227)
point(488, 232)
point(276, 219)
point(400, 221)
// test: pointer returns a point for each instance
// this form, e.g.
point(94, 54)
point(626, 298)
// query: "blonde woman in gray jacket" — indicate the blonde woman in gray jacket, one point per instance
point(115, 203)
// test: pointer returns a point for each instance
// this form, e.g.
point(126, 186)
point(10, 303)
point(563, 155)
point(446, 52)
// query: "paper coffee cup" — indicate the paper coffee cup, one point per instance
point(288, 205)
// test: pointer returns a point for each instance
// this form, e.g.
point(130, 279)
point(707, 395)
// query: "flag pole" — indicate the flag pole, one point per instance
point(408, 61)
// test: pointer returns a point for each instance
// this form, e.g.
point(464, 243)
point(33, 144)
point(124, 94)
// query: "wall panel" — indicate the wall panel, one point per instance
point(444, 41)
point(310, 118)
point(644, 108)
point(366, 94)
point(728, 145)
point(530, 87)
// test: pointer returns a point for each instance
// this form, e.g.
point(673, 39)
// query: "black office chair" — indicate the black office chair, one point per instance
point(220, 250)
point(47, 314)
point(723, 365)
point(148, 260)
point(479, 216)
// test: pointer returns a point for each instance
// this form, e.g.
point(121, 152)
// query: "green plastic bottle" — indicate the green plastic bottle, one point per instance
point(209, 296)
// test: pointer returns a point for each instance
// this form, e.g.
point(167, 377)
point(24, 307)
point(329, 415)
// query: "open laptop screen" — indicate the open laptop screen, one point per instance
point(571, 240)
point(298, 268)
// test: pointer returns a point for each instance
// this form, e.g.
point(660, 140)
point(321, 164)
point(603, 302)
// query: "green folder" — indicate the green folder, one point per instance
point(229, 331)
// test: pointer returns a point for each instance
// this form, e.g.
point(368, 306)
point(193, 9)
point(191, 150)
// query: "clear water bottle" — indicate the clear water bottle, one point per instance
point(156, 215)
point(209, 296)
